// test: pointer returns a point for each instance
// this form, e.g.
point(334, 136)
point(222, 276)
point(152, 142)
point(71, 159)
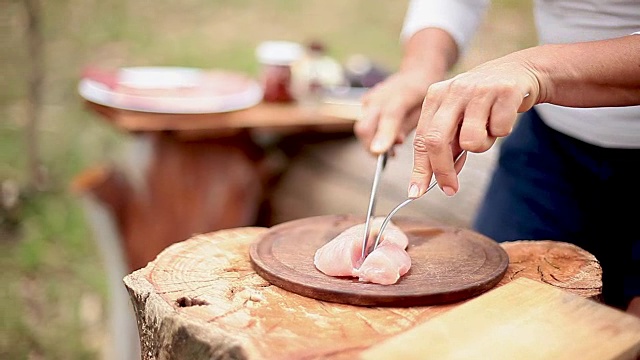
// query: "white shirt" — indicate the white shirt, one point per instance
point(557, 21)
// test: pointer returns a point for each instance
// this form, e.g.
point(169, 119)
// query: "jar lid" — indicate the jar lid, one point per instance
point(279, 52)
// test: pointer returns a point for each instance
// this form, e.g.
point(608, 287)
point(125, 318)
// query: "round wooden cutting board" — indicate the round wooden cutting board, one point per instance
point(448, 264)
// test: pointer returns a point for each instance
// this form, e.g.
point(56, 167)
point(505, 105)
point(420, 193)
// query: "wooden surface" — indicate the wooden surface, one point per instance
point(286, 117)
point(200, 299)
point(525, 320)
point(448, 264)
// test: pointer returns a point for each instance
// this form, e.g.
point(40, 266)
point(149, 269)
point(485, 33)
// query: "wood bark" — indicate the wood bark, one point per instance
point(201, 299)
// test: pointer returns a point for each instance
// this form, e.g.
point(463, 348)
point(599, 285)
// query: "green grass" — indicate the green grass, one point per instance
point(49, 261)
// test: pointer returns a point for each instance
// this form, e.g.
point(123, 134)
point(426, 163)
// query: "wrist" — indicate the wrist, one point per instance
point(541, 62)
point(425, 69)
point(532, 65)
point(429, 54)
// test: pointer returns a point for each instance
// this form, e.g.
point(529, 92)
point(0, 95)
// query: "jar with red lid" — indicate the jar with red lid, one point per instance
point(276, 58)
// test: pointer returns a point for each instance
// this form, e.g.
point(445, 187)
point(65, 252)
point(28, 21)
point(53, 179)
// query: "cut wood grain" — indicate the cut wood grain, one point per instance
point(201, 299)
point(525, 320)
point(560, 264)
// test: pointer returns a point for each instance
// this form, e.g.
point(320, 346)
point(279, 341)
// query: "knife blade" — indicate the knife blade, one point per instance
point(380, 165)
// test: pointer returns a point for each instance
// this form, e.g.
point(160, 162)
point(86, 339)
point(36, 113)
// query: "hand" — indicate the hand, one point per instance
point(391, 110)
point(469, 112)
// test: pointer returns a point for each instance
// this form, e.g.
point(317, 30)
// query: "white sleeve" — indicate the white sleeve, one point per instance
point(460, 18)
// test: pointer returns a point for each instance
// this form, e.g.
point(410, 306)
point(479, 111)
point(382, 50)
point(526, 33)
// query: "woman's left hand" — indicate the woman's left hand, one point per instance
point(468, 112)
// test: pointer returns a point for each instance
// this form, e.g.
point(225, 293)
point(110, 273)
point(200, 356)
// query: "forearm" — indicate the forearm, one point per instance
point(429, 53)
point(589, 74)
point(436, 32)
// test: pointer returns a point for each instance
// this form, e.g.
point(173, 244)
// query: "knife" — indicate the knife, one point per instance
point(382, 162)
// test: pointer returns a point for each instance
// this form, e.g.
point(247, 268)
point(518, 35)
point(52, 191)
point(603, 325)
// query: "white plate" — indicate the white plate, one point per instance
point(156, 89)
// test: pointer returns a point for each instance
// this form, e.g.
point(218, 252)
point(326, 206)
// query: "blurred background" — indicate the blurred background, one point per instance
point(54, 290)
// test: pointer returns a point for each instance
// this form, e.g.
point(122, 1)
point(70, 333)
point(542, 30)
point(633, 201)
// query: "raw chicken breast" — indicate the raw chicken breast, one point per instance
point(342, 255)
point(339, 256)
point(384, 265)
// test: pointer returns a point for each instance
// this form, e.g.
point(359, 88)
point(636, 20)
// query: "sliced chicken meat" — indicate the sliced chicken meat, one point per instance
point(384, 265)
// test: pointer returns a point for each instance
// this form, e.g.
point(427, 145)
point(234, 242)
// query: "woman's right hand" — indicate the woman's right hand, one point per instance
point(391, 110)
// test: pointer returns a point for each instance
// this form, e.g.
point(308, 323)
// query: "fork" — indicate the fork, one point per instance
point(386, 220)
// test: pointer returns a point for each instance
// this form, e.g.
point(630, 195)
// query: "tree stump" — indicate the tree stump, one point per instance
point(201, 299)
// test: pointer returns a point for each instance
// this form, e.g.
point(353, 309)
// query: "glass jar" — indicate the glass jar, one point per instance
point(276, 58)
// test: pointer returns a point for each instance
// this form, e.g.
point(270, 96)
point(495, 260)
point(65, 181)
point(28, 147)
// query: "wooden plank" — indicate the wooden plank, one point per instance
point(523, 320)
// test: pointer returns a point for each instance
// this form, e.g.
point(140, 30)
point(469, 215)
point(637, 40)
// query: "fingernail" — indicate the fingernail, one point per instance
point(414, 191)
point(377, 146)
point(448, 190)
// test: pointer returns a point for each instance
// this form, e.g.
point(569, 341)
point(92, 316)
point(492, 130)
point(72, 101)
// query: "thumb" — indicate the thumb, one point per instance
point(385, 137)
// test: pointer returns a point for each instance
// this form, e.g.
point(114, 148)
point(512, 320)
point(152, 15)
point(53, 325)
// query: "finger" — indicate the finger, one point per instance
point(421, 172)
point(365, 128)
point(410, 122)
point(439, 138)
point(391, 118)
point(504, 113)
point(474, 135)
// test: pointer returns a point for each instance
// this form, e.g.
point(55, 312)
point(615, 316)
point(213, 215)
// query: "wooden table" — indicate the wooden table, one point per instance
point(273, 117)
point(201, 299)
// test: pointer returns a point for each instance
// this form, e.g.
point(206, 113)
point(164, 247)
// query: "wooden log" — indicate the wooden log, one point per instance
point(201, 299)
